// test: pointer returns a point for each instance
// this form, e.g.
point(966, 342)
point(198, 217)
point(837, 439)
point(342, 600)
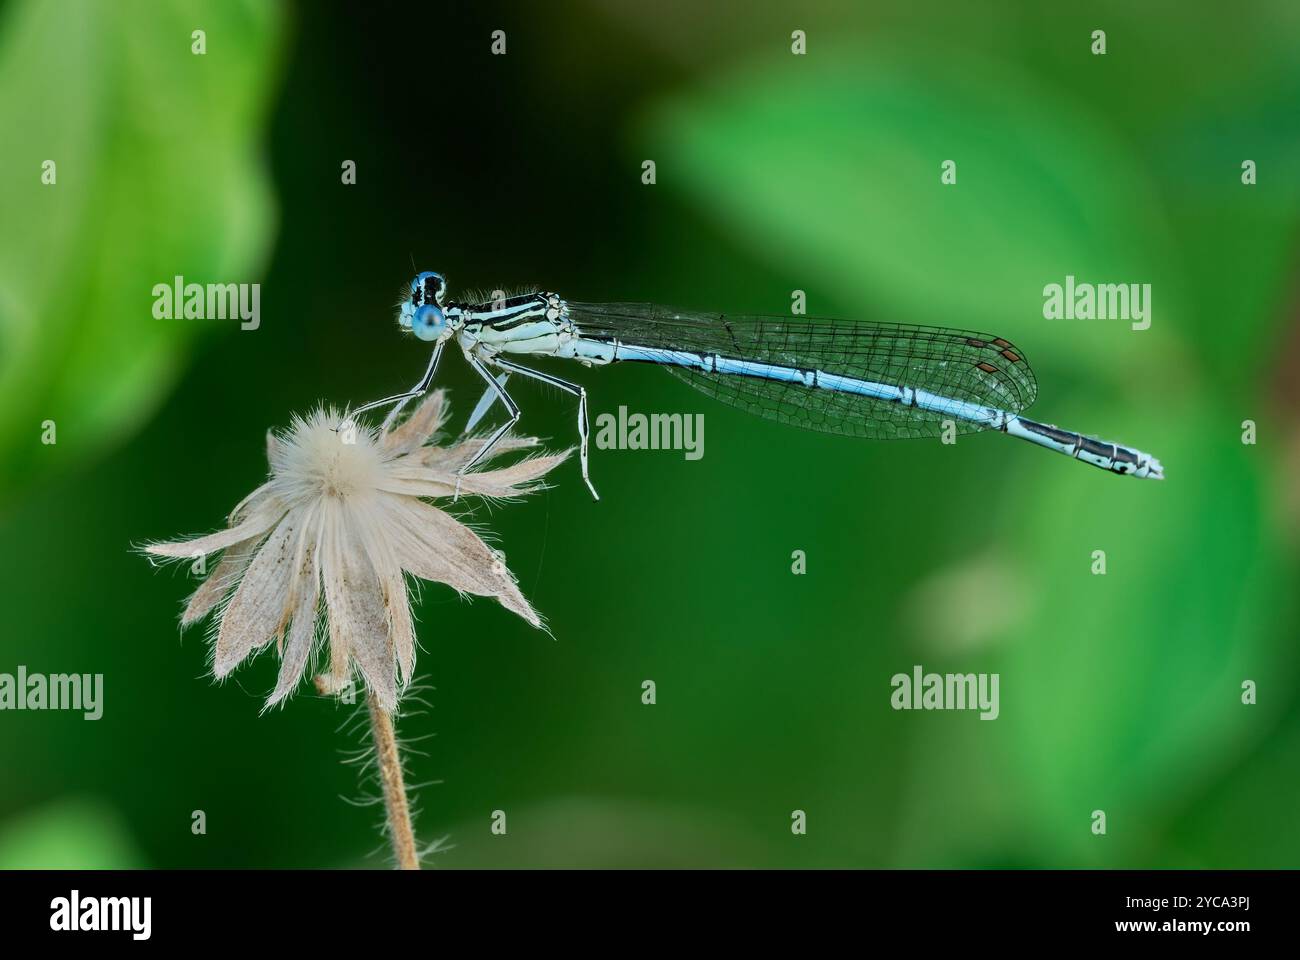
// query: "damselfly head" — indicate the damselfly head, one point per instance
point(427, 289)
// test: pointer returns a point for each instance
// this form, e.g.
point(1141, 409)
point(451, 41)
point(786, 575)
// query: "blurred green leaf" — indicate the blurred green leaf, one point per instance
point(1255, 795)
point(1239, 241)
point(615, 834)
point(1119, 692)
point(72, 834)
point(1125, 691)
point(158, 174)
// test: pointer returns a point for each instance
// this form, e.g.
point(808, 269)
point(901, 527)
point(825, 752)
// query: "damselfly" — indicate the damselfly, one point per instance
point(874, 380)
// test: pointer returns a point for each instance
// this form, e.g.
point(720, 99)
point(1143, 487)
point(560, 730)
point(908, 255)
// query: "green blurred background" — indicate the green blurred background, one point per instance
point(774, 173)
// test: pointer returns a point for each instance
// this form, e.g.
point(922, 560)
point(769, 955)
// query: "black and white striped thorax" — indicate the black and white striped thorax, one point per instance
point(509, 313)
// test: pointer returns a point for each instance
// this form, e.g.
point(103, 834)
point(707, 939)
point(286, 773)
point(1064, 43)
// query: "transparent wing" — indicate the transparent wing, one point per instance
point(958, 364)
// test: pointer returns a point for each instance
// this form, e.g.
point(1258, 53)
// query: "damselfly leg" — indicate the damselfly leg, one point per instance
point(573, 388)
point(513, 408)
point(400, 400)
point(484, 404)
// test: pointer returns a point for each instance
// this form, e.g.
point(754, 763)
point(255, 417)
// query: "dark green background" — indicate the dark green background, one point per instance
point(775, 173)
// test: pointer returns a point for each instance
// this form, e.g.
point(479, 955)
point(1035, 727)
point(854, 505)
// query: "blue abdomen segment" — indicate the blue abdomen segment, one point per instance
point(799, 387)
point(924, 402)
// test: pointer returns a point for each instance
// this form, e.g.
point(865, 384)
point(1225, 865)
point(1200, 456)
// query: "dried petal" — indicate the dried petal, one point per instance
point(305, 600)
point(258, 611)
point(358, 624)
point(258, 523)
point(258, 496)
point(511, 481)
point(454, 457)
point(435, 546)
point(412, 432)
point(220, 582)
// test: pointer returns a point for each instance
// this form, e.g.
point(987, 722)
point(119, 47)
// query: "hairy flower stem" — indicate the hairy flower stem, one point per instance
point(390, 772)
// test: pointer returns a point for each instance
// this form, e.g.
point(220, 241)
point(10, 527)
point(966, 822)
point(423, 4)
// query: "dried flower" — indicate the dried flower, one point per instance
point(344, 516)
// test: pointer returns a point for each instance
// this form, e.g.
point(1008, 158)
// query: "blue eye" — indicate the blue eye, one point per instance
point(427, 287)
point(428, 322)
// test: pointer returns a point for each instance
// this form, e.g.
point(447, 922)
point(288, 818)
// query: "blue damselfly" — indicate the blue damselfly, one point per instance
point(873, 380)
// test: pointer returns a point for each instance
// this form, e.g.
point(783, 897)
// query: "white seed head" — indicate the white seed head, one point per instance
point(317, 557)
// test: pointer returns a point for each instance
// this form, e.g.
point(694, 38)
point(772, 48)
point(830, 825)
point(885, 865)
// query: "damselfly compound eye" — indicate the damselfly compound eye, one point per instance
point(427, 287)
point(428, 322)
